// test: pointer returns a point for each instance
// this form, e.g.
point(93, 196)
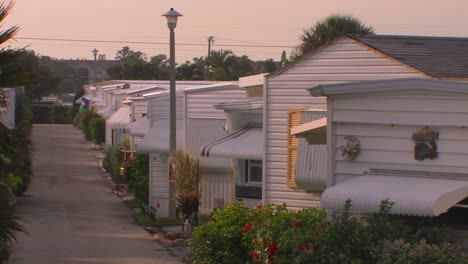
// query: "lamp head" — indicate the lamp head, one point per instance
point(171, 17)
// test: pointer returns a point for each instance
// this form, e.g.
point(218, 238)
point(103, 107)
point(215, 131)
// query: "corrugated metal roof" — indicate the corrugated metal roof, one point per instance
point(245, 143)
point(140, 127)
point(311, 161)
point(440, 57)
point(411, 195)
point(120, 119)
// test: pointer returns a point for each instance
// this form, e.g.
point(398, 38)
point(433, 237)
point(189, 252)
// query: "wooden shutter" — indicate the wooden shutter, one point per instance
point(294, 119)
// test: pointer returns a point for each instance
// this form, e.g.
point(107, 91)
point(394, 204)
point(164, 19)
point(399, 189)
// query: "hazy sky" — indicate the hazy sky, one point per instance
point(244, 22)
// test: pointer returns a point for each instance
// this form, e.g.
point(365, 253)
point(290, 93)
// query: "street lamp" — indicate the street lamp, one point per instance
point(95, 53)
point(171, 17)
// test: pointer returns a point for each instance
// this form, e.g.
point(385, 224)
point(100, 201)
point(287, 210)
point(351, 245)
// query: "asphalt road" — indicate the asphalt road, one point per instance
point(71, 214)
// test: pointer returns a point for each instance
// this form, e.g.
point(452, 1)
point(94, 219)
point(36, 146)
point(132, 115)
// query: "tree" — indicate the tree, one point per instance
point(223, 65)
point(9, 221)
point(268, 66)
point(134, 65)
point(327, 30)
point(191, 70)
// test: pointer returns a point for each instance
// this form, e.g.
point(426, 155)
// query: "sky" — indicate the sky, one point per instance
point(253, 23)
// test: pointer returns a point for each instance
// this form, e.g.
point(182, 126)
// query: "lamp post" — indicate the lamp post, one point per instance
point(95, 53)
point(171, 17)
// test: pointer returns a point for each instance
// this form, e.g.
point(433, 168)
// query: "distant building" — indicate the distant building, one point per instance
point(90, 70)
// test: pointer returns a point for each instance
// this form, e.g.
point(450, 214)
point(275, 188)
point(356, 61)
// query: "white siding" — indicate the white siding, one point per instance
point(139, 107)
point(200, 104)
point(344, 61)
point(216, 192)
point(386, 142)
point(160, 106)
point(215, 176)
point(159, 183)
point(7, 114)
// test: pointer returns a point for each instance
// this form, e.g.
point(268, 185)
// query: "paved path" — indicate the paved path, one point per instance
point(72, 217)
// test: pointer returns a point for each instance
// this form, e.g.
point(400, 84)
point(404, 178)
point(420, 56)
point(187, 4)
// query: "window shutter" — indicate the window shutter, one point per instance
point(294, 119)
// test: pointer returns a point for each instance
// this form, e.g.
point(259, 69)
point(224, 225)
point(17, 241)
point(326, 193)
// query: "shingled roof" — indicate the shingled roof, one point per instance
point(440, 57)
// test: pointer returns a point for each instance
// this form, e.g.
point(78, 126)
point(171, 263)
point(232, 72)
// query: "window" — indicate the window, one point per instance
point(294, 119)
point(253, 171)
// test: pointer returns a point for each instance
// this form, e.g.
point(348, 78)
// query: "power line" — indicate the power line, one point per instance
point(152, 43)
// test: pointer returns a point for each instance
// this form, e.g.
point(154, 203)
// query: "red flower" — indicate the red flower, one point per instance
point(319, 229)
point(304, 247)
point(247, 227)
point(297, 224)
point(264, 241)
point(272, 249)
point(259, 207)
point(255, 255)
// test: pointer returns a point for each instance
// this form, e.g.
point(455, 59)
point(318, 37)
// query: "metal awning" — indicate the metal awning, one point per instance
point(316, 126)
point(156, 139)
point(411, 195)
point(140, 127)
point(245, 143)
point(120, 119)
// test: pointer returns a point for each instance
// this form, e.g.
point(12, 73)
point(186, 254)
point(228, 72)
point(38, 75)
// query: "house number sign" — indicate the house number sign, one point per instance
point(425, 146)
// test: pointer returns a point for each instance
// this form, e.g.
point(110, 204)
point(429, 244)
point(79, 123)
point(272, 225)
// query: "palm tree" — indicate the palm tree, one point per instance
point(9, 225)
point(221, 65)
point(9, 221)
point(6, 55)
point(327, 30)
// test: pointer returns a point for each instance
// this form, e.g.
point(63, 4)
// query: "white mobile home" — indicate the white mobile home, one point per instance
point(197, 123)
point(243, 145)
point(404, 140)
point(7, 113)
point(348, 59)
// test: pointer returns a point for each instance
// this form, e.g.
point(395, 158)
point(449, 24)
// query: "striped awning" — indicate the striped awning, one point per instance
point(140, 127)
point(156, 140)
point(411, 195)
point(120, 119)
point(245, 143)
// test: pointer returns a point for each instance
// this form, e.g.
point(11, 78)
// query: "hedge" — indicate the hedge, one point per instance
point(97, 130)
point(51, 114)
point(275, 234)
point(85, 119)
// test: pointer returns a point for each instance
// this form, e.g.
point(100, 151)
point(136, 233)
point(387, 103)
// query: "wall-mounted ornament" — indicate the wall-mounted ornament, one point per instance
point(425, 146)
point(352, 148)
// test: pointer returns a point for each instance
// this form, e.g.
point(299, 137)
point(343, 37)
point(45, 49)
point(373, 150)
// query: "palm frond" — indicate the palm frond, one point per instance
point(7, 34)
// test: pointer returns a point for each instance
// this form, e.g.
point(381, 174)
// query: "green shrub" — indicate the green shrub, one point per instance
point(23, 113)
point(15, 183)
point(402, 252)
point(221, 240)
point(270, 234)
point(113, 161)
point(85, 119)
point(141, 190)
point(51, 114)
point(97, 129)
point(78, 120)
point(137, 175)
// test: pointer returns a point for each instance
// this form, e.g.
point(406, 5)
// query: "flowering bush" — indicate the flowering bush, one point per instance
point(187, 182)
point(275, 234)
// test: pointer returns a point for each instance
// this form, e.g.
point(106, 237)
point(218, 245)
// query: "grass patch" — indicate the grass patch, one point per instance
point(144, 220)
point(166, 221)
point(133, 203)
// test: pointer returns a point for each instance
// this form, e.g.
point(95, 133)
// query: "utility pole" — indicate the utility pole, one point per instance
point(210, 41)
